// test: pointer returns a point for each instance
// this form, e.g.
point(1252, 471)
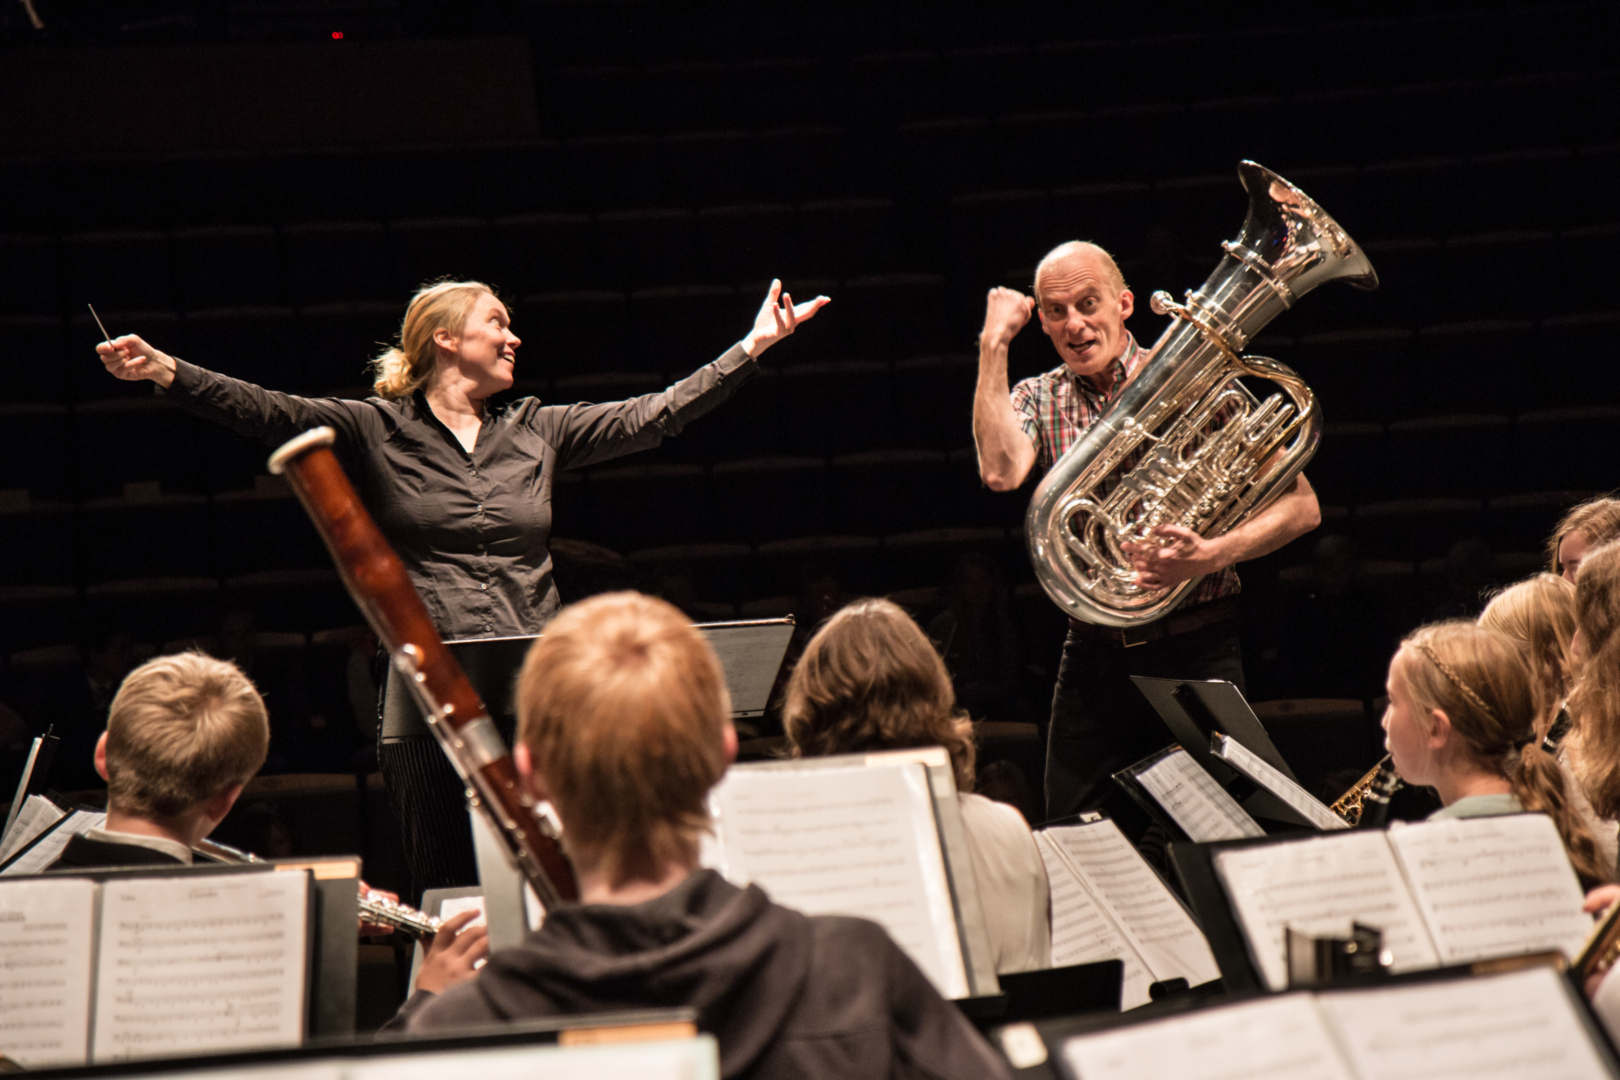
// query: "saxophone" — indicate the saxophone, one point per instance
point(1366, 804)
point(1185, 443)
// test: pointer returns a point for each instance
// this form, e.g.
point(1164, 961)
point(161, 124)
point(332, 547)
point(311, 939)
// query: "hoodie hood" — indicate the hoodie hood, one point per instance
point(739, 960)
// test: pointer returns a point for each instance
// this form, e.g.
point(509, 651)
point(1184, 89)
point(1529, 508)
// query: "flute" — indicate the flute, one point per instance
point(376, 579)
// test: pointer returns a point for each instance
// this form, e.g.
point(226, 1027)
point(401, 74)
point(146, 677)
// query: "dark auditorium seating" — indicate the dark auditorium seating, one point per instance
point(902, 167)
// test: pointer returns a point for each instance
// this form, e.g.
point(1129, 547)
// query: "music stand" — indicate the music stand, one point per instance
point(1195, 709)
point(750, 653)
point(36, 774)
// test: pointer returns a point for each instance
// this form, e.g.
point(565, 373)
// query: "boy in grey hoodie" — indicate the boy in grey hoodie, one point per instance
point(624, 725)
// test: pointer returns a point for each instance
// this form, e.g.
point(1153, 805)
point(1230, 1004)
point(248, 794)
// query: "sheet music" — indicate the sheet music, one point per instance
point(673, 1059)
point(34, 860)
point(454, 905)
point(1283, 1038)
point(47, 929)
point(1171, 942)
point(857, 841)
point(37, 814)
point(1518, 1026)
point(201, 962)
point(1198, 804)
point(1493, 886)
point(1262, 772)
point(1083, 930)
point(1320, 886)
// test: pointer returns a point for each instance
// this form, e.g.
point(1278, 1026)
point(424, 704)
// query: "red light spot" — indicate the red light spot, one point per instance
point(337, 35)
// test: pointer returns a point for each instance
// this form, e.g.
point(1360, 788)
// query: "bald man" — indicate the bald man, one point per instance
point(1100, 722)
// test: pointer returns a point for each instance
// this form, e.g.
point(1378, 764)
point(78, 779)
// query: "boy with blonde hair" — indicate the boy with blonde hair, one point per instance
point(184, 734)
point(624, 724)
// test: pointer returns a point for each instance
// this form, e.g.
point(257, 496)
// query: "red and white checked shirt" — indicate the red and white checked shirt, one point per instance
point(1057, 407)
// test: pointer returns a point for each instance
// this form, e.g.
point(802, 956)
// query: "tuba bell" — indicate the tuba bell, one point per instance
point(1185, 443)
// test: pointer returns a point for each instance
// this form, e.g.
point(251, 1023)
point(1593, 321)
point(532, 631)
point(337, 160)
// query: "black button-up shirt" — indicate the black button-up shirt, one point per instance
point(471, 528)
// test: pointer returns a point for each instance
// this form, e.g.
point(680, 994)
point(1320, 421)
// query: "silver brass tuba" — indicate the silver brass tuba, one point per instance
point(1185, 443)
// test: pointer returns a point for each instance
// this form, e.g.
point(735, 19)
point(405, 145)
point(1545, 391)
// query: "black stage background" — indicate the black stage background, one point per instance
point(254, 193)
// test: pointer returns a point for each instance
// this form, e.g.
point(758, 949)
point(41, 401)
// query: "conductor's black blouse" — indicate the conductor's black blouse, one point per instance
point(471, 528)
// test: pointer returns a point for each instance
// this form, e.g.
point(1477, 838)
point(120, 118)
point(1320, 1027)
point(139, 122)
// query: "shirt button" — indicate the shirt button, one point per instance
point(480, 549)
point(480, 508)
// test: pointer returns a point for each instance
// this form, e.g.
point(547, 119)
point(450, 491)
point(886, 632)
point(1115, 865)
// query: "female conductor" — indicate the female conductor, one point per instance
point(460, 485)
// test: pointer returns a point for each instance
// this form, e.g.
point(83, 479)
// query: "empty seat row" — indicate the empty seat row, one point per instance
point(1474, 175)
point(909, 84)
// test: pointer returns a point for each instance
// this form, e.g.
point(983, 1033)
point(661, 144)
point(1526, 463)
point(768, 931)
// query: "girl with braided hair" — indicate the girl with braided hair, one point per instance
point(1539, 614)
point(1595, 701)
point(1461, 719)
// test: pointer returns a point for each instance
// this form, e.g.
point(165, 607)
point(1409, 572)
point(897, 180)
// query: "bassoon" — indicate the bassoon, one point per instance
point(377, 580)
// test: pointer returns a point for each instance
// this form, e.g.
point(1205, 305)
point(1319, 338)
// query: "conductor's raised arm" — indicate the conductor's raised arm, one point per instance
point(130, 358)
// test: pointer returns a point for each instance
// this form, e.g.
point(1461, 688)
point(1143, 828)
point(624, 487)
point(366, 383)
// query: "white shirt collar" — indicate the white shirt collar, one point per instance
point(173, 848)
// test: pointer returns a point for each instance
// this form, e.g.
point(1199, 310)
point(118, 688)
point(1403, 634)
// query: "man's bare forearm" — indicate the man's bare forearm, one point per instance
point(1005, 453)
point(1294, 514)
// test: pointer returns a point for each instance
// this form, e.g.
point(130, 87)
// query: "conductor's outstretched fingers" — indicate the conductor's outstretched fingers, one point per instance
point(129, 357)
point(778, 317)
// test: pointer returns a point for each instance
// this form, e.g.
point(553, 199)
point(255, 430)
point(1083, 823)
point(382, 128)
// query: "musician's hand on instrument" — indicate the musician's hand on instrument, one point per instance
point(373, 929)
point(455, 953)
point(130, 358)
point(1180, 555)
point(778, 317)
point(1600, 898)
point(1005, 313)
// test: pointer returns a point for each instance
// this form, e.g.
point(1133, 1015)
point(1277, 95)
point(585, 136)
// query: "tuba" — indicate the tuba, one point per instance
point(1185, 443)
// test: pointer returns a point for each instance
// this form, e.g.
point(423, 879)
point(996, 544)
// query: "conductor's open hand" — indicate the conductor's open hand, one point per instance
point(1181, 555)
point(454, 954)
point(1005, 313)
point(129, 357)
point(778, 317)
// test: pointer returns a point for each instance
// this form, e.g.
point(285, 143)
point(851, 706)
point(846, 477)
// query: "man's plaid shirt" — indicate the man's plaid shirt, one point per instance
point(1057, 407)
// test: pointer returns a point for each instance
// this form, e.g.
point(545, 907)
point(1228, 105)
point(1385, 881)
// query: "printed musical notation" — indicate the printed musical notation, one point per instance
point(46, 931)
point(1084, 932)
point(201, 963)
point(1260, 770)
point(1493, 886)
point(1321, 886)
point(1511, 1027)
point(1284, 1038)
point(858, 841)
point(1200, 806)
point(1172, 943)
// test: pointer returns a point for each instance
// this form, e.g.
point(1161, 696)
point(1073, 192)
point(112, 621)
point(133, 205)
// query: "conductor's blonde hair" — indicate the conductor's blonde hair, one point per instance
point(181, 730)
point(624, 706)
point(409, 365)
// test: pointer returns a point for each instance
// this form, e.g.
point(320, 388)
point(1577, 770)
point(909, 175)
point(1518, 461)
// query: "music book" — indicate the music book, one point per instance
point(152, 966)
point(1193, 801)
point(1523, 1025)
point(46, 847)
point(1108, 903)
point(34, 816)
point(1442, 892)
point(852, 840)
point(1262, 772)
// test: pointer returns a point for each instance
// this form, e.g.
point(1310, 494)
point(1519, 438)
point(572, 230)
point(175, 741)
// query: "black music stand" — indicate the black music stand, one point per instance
point(750, 652)
point(1195, 709)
